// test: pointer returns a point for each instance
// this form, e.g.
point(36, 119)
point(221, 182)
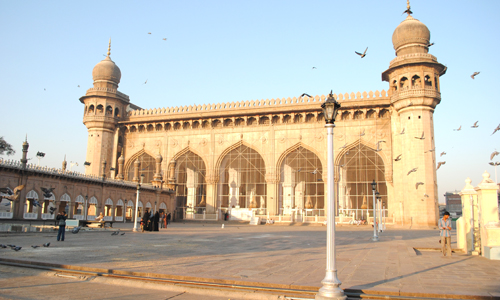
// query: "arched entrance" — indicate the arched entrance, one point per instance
point(242, 186)
point(190, 173)
point(147, 167)
point(301, 187)
point(358, 167)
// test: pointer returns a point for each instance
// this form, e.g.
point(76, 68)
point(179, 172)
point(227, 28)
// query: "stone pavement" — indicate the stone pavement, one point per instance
point(402, 262)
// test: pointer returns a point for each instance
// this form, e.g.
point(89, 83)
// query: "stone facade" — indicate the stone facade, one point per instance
point(270, 155)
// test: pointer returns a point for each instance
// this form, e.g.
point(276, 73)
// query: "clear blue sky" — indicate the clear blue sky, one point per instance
point(224, 51)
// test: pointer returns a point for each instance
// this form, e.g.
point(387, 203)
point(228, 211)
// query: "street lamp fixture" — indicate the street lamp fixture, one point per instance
point(378, 211)
point(331, 284)
point(375, 236)
point(495, 164)
point(137, 202)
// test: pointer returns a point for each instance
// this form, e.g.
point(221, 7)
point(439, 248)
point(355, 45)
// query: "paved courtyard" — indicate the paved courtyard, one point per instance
point(281, 256)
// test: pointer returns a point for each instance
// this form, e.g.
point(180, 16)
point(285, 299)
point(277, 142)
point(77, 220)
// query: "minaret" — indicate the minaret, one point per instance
point(24, 159)
point(104, 107)
point(64, 163)
point(414, 91)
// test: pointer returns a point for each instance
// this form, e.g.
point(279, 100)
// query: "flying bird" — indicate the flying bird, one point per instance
point(52, 210)
point(459, 128)
point(442, 153)
point(46, 244)
point(343, 147)
point(164, 39)
point(398, 158)
point(432, 150)
point(428, 45)
point(378, 146)
point(407, 11)
point(425, 195)
point(475, 125)
point(305, 95)
point(361, 54)
point(412, 170)
point(402, 131)
point(362, 133)
point(494, 154)
point(440, 164)
point(417, 184)
point(422, 137)
point(146, 81)
point(409, 104)
point(496, 129)
point(474, 75)
point(12, 195)
point(47, 192)
point(36, 203)
point(149, 32)
point(314, 172)
point(313, 68)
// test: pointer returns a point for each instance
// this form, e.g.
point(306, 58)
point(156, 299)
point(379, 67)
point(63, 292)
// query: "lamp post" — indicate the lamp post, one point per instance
point(379, 211)
point(137, 202)
point(375, 237)
point(85, 212)
point(495, 164)
point(331, 284)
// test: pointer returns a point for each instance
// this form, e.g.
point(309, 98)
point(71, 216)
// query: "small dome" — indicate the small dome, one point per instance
point(107, 70)
point(413, 34)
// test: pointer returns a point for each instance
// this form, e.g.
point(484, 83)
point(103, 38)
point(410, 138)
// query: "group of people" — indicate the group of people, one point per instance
point(154, 221)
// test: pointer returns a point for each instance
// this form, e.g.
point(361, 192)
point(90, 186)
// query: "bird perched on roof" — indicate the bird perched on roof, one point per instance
point(422, 137)
point(412, 170)
point(417, 184)
point(398, 158)
point(495, 153)
point(12, 195)
point(361, 54)
point(475, 125)
point(474, 75)
point(440, 164)
point(47, 192)
point(459, 128)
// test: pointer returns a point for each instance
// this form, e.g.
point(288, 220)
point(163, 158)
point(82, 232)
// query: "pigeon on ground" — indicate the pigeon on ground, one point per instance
point(76, 229)
point(46, 244)
point(17, 248)
point(3, 246)
point(123, 233)
point(115, 233)
point(34, 246)
point(10, 245)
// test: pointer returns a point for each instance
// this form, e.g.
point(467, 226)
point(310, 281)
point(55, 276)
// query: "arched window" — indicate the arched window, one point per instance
point(371, 114)
point(91, 109)
point(242, 179)
point(416, 82)
point(150, 128)
point(264, 121)
point(301, 182)
point(346, 116)
point(251, 121)
point(186, 125)
point(298, 118)
point(147, 167)
point(190, 173)
point(287, 119)
point(117, 112)
point(228, 123)
point(196, 125)
point(395, 85)
point(358, 115)
point(240, 122)
point(276, 119)
point(357, 169)
point(383, 114)
point(109, 111)
point(403, 83)
point(100, 109)
point(427, 80)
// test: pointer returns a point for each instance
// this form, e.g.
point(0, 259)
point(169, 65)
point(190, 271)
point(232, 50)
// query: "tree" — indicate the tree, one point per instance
point(6, 147)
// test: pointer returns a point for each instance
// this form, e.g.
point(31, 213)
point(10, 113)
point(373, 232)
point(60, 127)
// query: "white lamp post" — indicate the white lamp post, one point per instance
point(495, 164)
point(331, 284)
point(375, 236)
point(137, 202)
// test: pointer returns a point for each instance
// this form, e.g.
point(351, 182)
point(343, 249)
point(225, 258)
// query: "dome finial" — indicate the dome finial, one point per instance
point(408, 11)
point(109, 47)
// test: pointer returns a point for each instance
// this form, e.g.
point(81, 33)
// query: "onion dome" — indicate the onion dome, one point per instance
point(107, 70)
point(411, 36)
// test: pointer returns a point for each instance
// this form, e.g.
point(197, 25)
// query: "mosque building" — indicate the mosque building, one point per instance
point(268, 157)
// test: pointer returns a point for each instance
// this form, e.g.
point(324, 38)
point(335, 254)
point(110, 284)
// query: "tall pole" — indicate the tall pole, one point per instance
point(136, 206)
point(375, 237)
point(331, 284)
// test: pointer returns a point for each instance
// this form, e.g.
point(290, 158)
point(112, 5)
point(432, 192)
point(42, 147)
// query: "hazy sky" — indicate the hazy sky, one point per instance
point(225, 51)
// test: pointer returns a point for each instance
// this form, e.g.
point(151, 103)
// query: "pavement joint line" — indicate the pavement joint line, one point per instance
point(238, 285)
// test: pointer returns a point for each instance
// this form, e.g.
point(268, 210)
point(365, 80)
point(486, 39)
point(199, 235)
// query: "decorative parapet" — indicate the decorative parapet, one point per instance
point(95, 90)
point(14, 164)
point(407, 57)
point(253, 104)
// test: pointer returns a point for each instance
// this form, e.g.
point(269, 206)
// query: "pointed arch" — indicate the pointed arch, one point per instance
point(359, 142)
point(229, 149)
point(293, 148)
point(132, 159)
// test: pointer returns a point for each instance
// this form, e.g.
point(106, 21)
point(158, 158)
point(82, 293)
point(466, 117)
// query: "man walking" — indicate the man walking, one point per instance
point(445, 228)
point(61, 217)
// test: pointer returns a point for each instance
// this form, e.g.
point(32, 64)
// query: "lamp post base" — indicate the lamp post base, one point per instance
point(135, 229)
point(375, 238)
point(331, 288)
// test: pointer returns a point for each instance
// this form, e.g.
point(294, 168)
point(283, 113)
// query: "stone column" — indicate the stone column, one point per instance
point(234, 187)
point(157, 178)
point(288, 189)
point(191, 184)
point(137, 163)
point(465, 238)
point(299, 195)
point(121, 160)
point(211, 190)
point(272, 193)
point(488, 216)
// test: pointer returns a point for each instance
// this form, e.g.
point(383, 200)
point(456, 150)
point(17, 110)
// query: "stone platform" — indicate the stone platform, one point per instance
point(403, 262)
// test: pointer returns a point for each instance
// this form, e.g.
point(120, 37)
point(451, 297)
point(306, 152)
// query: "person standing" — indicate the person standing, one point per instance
point(162, 215)
point(61, 217)
point(168, 218)
point(445, 233)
